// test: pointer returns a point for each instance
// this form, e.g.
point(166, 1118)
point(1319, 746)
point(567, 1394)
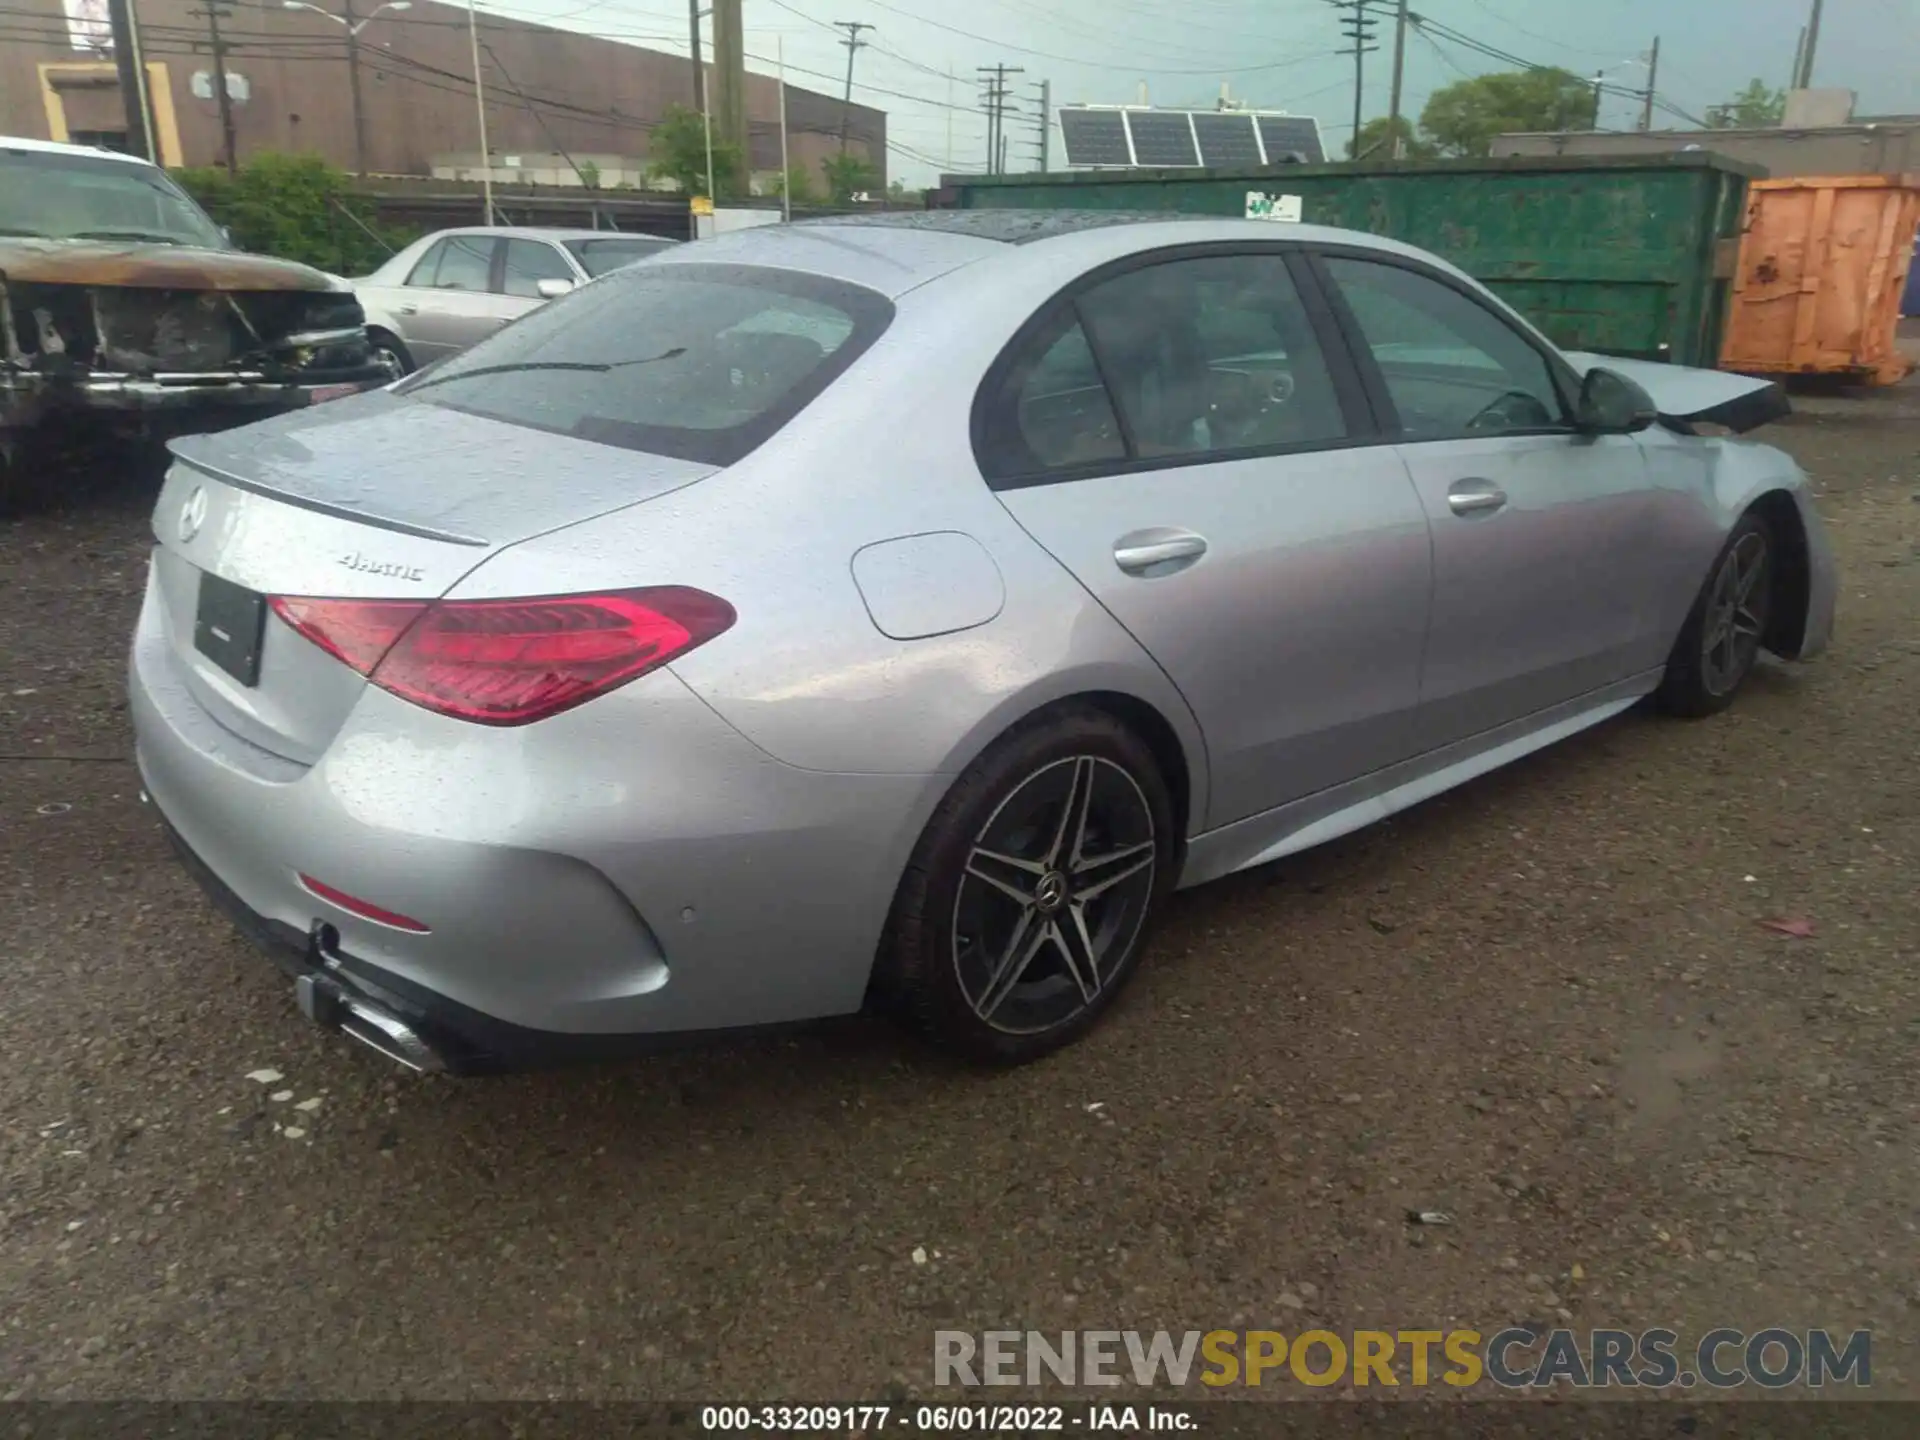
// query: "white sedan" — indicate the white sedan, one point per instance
point(452, 288)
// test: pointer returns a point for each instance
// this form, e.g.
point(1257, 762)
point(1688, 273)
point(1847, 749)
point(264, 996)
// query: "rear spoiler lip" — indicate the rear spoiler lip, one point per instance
point(1686, 396)
point(306, 502)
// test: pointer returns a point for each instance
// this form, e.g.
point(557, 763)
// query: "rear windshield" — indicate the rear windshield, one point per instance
point(702, 362)
point(600, 256)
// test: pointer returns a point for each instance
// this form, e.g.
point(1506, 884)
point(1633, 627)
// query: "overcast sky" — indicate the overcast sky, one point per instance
point(1275, 54)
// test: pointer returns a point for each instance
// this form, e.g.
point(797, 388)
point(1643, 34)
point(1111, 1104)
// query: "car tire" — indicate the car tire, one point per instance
point(390, 352)
point(1025, 907)
point(1722, 637)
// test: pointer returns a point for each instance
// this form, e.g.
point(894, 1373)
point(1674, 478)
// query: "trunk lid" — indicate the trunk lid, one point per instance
point(373, 497)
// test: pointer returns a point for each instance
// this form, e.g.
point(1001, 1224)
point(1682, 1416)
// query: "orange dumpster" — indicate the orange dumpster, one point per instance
point(1817, 286)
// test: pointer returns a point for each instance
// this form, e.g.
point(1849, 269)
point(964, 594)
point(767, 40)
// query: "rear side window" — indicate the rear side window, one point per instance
point(600, 256)
point(703, 362)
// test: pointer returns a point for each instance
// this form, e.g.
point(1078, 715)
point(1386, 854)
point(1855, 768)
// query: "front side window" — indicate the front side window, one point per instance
point(528, 263)
point(1201, 357)
point(1451, 366)
point(703, 362)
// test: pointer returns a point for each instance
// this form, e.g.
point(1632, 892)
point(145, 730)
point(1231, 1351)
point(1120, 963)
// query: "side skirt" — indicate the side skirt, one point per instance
point(1342, 809)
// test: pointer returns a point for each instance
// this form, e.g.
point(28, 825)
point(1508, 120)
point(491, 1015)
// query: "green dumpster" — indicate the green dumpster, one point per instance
point(1624, 254)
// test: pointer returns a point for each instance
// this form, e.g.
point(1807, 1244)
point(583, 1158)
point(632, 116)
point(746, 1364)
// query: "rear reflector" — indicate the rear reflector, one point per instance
point(509, 662)
point(366, 909)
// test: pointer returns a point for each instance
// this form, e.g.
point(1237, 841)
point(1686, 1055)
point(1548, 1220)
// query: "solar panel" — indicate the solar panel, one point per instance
point(1095, 137)
point(1162, 137)
point(1226, 138)
point(1286, 135)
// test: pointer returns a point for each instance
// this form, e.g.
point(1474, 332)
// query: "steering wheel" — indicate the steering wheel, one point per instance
point(1495, 416)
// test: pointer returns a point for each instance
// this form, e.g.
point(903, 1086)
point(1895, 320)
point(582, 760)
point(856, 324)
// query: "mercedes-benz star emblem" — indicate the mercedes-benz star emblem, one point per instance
point(1051, 893)
point(193, 514)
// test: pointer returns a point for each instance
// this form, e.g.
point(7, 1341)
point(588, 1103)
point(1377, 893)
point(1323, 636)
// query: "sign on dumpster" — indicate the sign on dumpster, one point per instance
point(1262, 206)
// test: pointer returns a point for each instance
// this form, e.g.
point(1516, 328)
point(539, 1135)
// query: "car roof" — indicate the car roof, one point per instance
point(897, 251)
point(60, 147)
point(554, 232)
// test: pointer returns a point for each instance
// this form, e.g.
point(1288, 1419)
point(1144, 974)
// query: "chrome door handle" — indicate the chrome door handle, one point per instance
point(1470, 497)
point(409, 309)
point(1149, 550)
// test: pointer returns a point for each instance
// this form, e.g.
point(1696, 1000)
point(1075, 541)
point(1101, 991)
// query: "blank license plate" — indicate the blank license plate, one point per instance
point(228, 625)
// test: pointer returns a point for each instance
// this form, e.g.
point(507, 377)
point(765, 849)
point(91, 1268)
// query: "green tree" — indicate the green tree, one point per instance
point(589, 174)
point(1375, 141)
point(677, 155)
point(797, 185)
point(297, 207)
point(1754, 108)
point(1463, 118)
point(847, 175)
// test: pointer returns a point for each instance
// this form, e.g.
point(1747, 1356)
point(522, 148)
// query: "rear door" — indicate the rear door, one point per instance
point(1185, 436)
point(1546, 561)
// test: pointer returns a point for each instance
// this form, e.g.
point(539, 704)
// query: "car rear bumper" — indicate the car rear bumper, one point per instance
point(627, 871)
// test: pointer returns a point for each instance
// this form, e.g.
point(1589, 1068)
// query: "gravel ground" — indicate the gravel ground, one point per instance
point(1544, 1003)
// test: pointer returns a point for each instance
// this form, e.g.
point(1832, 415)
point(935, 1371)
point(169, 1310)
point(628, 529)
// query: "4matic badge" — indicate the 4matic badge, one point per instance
point(389, 568)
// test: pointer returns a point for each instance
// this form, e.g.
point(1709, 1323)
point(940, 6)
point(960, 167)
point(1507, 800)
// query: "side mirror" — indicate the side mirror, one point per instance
point(1611, 404)
point(552, 289)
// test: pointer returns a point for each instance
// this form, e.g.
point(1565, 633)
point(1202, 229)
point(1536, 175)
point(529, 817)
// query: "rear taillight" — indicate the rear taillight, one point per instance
point(509, 662)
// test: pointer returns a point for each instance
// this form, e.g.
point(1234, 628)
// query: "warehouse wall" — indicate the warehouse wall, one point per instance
point(546, 89)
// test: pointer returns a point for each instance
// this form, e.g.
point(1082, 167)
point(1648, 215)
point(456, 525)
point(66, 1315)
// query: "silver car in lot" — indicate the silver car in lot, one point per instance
point(453, 288)
point(891, 611)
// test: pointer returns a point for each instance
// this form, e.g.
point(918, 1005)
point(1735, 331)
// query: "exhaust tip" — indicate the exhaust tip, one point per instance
point(325, 1001)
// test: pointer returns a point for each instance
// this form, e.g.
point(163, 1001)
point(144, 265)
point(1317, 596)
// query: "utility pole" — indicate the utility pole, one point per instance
point(730, 82)
point(854, 45)
point(996, 102)
point(353, 89)
point(1805, 81)
point(214, 14)
point(353, 25)
point(1599, 79)
point(1399, 75)
point(699, 66)
point(129, 62)
point(1653, 76)
point(1045, 122)
point(1358, 25)
point(480, 108)
point(1799, 49)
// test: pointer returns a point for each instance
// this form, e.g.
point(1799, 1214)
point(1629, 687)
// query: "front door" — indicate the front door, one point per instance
point(1208, 479)
point(1546, 568)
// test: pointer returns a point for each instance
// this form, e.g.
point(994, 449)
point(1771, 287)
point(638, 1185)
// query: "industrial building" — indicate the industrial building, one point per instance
point(554, 99)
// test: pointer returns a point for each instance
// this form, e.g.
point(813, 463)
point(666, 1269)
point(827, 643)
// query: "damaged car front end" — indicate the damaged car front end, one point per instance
point(119, 299)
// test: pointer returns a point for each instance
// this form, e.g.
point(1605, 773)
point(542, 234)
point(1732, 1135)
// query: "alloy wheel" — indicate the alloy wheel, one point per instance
point(1736, 615)
point(1056, 887)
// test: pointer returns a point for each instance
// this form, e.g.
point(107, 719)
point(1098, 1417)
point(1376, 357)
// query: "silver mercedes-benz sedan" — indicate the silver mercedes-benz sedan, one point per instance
point(893, 611)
